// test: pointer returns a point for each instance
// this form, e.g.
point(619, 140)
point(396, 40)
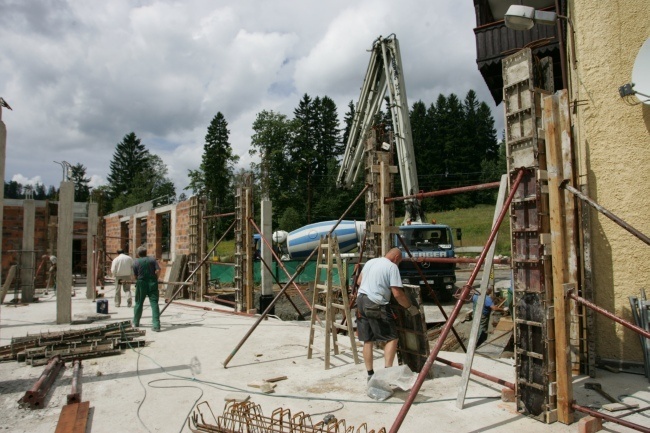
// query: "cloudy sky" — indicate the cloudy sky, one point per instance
point(81, 74)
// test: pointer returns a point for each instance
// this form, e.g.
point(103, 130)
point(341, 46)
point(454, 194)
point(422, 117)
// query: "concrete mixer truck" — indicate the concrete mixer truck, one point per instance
point(298, 244)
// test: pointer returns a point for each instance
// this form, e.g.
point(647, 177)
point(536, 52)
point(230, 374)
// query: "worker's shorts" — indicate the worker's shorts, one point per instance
point(375, 322)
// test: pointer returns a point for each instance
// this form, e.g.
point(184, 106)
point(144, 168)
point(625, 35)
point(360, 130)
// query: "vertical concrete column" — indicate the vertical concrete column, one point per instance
point(64, 253)
point(91, 250)
point(134, 234)
point(3, 154)
point(172, 237)
point(266, 295)
point(27, 257)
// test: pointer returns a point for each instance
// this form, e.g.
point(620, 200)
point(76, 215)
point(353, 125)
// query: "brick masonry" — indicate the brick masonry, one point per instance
point(120, 232)
point(44, 237)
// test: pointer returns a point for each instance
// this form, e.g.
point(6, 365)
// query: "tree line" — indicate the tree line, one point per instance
point(455, 144)
point(77, 174)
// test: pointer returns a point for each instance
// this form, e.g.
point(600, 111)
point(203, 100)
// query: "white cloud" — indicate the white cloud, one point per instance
point(96, 180)
point(82, 75)
point(19, 178)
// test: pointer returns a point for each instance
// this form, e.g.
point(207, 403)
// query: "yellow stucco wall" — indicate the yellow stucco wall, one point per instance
point(613, 142)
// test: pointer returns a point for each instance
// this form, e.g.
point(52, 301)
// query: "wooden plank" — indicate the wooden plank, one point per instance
point(480, 303)
point(7, 284)
point(560, 270)
point(578, 339)
point(73, 418)
point(386, 209)
point(175, 274)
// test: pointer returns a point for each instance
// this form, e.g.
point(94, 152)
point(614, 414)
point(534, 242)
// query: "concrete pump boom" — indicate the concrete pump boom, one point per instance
point(384, 75)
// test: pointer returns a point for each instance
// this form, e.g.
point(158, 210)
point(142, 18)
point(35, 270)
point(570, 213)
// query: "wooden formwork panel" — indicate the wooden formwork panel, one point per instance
point(413, 347)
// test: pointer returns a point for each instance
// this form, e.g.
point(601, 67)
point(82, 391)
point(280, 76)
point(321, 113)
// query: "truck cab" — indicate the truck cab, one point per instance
point(430, 241)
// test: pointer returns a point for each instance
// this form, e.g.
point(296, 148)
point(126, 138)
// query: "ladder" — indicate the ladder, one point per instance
point(335, 300)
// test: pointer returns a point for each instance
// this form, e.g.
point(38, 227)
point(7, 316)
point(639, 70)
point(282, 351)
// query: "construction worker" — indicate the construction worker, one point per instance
point(122, 271)
point(379, 280)
point(145, 270)
point(51, 273)
point(488, 307)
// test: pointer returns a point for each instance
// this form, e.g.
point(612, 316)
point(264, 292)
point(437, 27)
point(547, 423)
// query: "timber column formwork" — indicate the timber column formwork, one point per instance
point(197, 248)
point(380, 174)
point(531, 249)
point(244, 246)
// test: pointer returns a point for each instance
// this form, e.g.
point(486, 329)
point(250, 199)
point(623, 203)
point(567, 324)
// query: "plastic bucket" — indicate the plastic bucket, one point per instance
point(102, 306)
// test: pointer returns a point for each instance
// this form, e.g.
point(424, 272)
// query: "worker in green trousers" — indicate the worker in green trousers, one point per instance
point(145, 270)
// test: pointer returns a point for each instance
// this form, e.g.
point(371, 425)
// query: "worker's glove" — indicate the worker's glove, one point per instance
point(413, 310)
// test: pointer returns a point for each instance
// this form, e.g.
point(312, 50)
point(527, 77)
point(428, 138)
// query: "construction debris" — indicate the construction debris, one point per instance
point(88, 343)
point(276, 379)
point(248, 417)
point(264, 386)
point(237, 398)
point(33, 398)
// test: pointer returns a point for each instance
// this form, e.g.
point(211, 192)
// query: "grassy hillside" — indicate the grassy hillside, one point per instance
point(474, 222)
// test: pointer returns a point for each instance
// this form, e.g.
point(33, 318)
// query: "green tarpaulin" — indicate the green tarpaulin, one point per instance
point(224, 272)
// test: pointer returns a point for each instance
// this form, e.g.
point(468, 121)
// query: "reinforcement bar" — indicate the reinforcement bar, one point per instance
point(464, 297)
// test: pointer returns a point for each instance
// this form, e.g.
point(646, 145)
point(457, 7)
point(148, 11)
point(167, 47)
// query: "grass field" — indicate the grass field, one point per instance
point(475, 224)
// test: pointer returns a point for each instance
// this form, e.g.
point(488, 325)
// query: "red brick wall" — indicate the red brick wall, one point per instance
point(12, 236)
point(12, 239)
point(113, 234)
point(154, 234)
point(183, 228)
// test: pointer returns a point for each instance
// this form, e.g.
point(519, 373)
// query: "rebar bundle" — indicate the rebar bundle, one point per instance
point(247, 417)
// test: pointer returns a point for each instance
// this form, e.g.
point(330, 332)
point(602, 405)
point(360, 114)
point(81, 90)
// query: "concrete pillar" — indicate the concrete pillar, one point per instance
point(134, 234)
point(266, 294)
point(28, 256)
point(91, 248)
point(3, 154)
point(64, 253)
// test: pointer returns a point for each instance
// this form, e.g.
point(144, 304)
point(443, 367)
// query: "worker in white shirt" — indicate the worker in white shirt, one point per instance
point(122, 271)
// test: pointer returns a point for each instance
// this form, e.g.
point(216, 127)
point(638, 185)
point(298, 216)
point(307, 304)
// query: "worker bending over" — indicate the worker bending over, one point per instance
point(379, 279)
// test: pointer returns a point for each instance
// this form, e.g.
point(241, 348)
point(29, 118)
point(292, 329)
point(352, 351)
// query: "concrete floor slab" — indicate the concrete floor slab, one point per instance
point(153, 389)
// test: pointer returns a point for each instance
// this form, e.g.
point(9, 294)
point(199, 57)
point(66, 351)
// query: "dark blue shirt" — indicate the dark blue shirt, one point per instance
point(488, 304)
point(149, 262)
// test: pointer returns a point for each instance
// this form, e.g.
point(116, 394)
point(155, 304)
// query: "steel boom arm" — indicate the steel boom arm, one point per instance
point(384, 75)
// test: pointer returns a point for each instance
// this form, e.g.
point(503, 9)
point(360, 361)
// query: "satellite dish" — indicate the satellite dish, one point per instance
point(641, 73)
